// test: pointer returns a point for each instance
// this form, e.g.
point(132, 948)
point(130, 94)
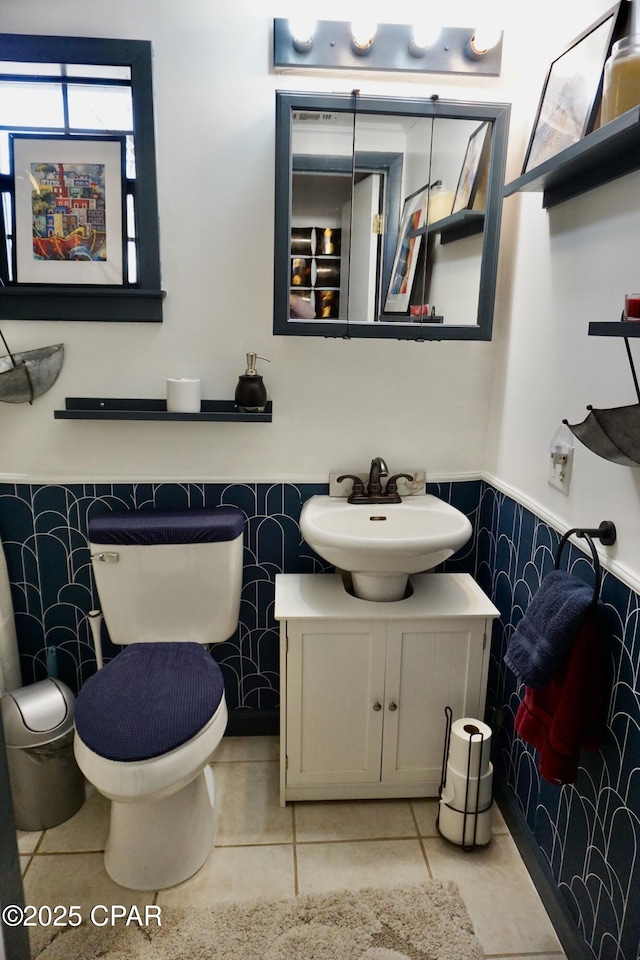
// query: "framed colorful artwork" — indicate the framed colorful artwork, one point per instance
point(407, 251)
point(68, 209)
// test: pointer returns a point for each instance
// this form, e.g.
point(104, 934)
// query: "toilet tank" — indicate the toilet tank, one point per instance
point(168, 575)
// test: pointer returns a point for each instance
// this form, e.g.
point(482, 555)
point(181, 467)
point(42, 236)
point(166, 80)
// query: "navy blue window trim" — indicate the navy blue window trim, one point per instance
point(139, 302)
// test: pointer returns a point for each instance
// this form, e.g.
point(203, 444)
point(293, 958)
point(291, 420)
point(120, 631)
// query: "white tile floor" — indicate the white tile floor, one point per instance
point(263, 849)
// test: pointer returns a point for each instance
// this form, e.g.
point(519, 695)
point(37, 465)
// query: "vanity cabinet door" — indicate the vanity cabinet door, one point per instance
point(334, 701)
point(364, 700)
point(430, 665)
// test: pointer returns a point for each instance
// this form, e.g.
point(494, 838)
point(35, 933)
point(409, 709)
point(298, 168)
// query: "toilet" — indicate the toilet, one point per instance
point(148, 723)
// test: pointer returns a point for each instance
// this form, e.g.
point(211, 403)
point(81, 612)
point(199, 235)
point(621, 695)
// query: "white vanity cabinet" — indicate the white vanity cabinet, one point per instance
point(364, 684)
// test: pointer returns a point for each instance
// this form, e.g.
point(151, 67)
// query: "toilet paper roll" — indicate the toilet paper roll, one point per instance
point(480, 792)
point(451, 824)
point(183, 396)
point(464, 732)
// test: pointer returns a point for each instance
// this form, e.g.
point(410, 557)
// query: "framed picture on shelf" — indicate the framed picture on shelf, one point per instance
point(572, 89)
point(68, 209)
point(475, 167)
point(407, 250)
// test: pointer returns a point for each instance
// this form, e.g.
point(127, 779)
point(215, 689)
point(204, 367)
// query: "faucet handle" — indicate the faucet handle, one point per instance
point(358, 486)
point(392, 483)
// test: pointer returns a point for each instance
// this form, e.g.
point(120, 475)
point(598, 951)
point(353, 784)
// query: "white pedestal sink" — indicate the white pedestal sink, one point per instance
point(382, 544)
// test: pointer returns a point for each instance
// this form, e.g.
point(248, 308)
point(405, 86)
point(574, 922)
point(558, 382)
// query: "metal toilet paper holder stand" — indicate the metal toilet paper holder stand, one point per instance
point(470, 810)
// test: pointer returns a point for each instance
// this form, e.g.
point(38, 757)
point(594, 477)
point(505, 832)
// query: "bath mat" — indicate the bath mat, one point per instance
point(428, 921)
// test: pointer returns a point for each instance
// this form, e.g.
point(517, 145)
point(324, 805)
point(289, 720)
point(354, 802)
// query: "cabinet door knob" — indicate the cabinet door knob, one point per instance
point(377, 706)
point(393, 705)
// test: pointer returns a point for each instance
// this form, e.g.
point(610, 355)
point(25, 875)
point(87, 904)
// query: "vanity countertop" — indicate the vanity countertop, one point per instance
point(316, 596)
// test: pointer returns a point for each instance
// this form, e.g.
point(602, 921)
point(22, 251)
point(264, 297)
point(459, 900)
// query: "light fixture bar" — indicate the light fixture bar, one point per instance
point(331, 49)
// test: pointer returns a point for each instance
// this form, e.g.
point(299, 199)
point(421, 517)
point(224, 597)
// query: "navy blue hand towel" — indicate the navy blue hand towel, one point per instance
point(546, 633)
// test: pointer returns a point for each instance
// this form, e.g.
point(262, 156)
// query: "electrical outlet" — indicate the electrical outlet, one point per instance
point(559, 474)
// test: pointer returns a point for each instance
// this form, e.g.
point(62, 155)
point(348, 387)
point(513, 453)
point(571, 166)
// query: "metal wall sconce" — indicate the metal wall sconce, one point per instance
point(391, 47)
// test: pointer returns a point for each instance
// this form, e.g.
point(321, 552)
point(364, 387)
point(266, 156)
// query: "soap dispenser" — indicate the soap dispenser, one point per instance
point(251, 393)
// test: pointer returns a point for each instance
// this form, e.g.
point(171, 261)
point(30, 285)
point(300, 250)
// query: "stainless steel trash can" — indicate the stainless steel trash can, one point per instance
point(47, 786)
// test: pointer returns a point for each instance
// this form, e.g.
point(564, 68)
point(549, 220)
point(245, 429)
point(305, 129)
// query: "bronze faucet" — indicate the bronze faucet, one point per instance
point(378, 469)
point(374, 493)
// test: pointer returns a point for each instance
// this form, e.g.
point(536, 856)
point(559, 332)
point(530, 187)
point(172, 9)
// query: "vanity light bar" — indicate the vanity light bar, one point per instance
point(392, 49)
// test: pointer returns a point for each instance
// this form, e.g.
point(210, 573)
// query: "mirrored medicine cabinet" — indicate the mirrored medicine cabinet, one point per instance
point(387, 216)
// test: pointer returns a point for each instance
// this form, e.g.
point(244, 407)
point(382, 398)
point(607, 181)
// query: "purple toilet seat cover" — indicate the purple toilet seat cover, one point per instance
point(151, 698)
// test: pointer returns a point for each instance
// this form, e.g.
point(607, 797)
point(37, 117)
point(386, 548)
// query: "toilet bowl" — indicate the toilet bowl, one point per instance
point(163, 811)
point(148, 723)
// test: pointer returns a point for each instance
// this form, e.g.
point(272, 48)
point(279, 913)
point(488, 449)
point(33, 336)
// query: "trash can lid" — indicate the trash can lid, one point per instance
point(37, 714)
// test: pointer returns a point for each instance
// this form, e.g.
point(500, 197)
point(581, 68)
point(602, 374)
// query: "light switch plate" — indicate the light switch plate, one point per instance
point(559, 470)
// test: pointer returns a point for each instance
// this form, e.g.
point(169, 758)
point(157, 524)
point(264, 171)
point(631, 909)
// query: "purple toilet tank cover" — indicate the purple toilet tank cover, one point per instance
point(152, 527)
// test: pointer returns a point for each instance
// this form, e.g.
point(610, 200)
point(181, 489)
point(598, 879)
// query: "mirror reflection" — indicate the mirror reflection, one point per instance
point(387, 216)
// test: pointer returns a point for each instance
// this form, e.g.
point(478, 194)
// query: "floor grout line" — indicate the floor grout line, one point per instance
point(255, 843)
point(65, 853)
point(32, 853)
point(412, 836)
point(421, 838)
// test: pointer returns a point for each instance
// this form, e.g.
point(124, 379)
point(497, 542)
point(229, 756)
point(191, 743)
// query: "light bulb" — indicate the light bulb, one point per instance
point(362, 34)
point(484, 38)
point(423, 36)
point(302, 30)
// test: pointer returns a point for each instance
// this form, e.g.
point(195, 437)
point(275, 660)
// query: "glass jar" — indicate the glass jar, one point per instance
point(621, 89)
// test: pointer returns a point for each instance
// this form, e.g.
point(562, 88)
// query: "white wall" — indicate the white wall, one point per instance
point(455, 408)
point(562, 269)
point(336, 403)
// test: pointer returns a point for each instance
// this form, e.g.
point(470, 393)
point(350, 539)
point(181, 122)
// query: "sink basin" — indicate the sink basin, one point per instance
point(382, 544)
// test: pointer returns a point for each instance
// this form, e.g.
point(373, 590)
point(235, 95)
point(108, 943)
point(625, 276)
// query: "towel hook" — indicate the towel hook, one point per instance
point(605, 533)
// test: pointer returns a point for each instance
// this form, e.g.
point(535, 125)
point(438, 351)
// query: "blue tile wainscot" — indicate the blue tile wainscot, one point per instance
point(585, 836)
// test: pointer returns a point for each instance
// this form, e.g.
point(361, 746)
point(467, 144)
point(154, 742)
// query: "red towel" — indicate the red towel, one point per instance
point(568, 713)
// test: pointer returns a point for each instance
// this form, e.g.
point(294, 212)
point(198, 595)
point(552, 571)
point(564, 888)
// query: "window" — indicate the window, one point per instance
point(85, 89)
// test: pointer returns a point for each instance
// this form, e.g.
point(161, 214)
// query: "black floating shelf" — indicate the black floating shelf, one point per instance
point(97, 408)
point(464, 223)
point(604, 155)
point(614, 328)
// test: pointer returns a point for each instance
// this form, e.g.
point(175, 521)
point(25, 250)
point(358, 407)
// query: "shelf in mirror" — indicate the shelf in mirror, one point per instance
point(604, 155)
point(614, 328)
point(102, 408)
point(462, 223)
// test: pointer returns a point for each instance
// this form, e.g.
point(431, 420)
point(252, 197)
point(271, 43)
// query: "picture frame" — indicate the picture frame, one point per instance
point(572, 89)
point(68, 210)
point(407, 252)
point(474, 168)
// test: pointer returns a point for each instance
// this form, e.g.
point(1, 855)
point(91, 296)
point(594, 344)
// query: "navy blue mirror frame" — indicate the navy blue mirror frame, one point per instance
point(497, 113)
point(141, 301)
